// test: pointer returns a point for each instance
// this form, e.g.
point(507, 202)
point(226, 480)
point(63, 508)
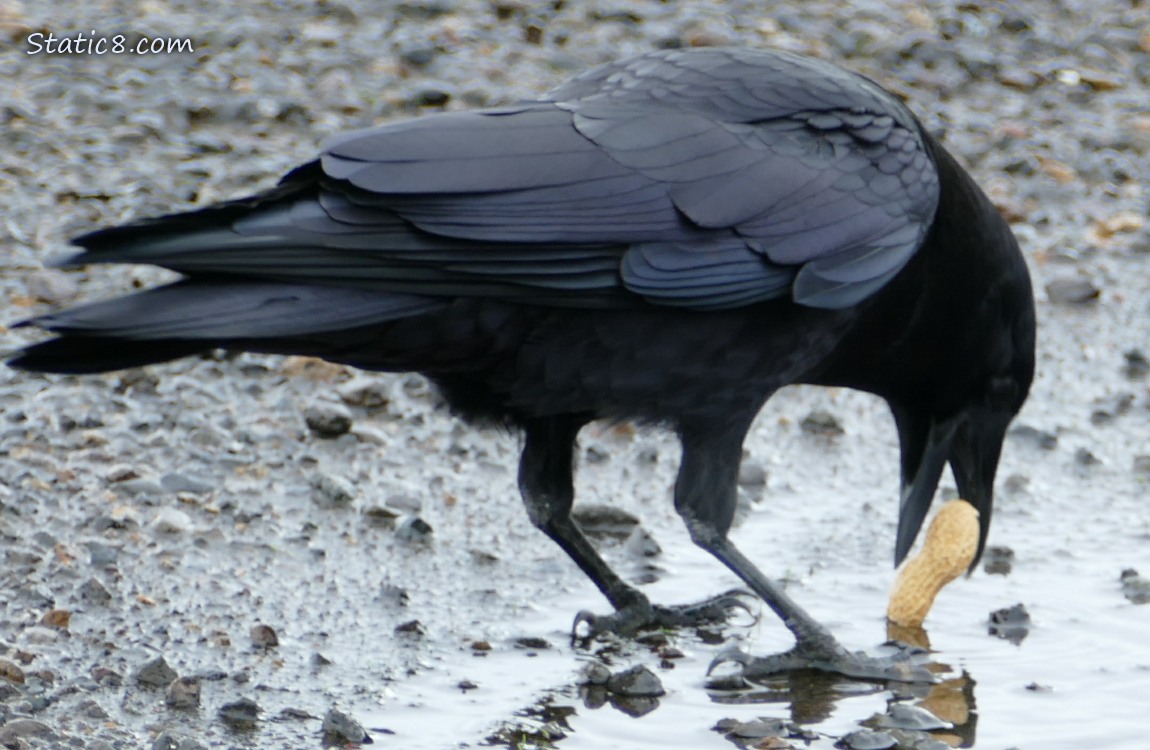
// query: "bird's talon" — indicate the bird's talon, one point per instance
point(582, 617)
point(730, 654)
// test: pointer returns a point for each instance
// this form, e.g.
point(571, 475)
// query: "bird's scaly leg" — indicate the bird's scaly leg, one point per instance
point(546, 471)
point(705, 494)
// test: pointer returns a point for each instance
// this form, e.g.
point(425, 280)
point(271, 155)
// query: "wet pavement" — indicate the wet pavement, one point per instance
point(295, 539)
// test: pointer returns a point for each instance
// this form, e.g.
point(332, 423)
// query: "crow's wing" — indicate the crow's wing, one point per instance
point(701, 178)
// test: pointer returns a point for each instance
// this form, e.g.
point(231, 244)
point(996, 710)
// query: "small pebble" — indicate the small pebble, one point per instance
point(94, 592)
point(51, 286)
point(340, 727)
point(240, 714)
point(638, 681)
point(369, 393)
point(11, 671)
point(906, 716)
point(180, 483)
point(865, 739)
point(1010, 623)
point(412, 628)
point(822, 423)
point(414, 530)
point(264, 636)
point(183, 693)
point(171, 521)
point(16, 730)
point(598, 520)
point(332, 491)
point(327, 420)
point(1135, 588)
point(1072, 291)
point(595, 674)
point(1137, 365)
point(998, 561)
point(156, 673)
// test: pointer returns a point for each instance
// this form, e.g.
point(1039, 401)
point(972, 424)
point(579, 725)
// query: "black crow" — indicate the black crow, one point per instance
point(668, 239)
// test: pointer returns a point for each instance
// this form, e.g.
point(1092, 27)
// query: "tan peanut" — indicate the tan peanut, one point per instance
point(947, 552)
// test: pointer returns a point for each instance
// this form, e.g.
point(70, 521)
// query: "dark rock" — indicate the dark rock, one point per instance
point(1137, 365)
point(93, 592)
point(599, 521)
point(1106, 410)
point(91, 709)
point(419, 57)
point(1134, 587)
point(998, 561)
point(156, 673)
point(595, 674)
point(341, 728)
point(414, 530)
point(183, 693)
point(368, 393)
point(1083, 457)
point(332, 491)
point(381, 517)
point(11, 671)
point(241, 714)
point(638, 681)
point(1010, 623)
point(412, 628)
point(264, 636)
point(821, 423)
point(532, 643)
point(327, 421)
point(431, 96)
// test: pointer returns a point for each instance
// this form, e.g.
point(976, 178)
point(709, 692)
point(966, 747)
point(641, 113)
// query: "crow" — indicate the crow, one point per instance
point(668, 239)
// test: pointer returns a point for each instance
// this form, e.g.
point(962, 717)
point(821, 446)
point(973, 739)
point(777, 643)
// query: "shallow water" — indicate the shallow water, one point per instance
point(1079, 678)
point(96, 140)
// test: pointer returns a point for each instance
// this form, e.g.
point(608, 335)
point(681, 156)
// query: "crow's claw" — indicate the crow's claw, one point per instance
point(899, 667)
point(643, 615)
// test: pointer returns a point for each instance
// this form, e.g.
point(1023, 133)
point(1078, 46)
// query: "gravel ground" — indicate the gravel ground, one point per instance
point(249, 551)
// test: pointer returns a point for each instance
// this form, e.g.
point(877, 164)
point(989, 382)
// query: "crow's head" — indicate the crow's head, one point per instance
point(962, 414)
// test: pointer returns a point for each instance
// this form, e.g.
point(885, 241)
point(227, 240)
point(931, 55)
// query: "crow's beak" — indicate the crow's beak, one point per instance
point(925, 453)
point(974, 452)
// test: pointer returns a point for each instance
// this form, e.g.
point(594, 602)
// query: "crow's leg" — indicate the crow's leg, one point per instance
point(546, 481)
point(705, 494)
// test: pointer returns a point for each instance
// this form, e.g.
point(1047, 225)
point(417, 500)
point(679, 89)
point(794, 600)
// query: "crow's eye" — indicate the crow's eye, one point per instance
point(1002, 392)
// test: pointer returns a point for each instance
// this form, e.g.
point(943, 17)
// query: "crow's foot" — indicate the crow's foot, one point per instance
point(642, 615)
point(903, 666)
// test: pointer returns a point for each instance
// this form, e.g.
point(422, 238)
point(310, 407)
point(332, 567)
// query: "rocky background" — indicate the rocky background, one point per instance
point(241, 551)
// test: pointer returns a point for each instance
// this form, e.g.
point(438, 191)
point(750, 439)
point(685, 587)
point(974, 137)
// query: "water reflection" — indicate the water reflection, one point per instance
point(811, 697)
point(797, 708)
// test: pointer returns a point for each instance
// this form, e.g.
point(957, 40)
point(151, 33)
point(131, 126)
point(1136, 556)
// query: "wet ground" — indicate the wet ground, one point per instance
point(170, 512)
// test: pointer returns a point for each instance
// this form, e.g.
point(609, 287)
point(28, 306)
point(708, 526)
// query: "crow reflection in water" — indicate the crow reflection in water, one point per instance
point(668, 239)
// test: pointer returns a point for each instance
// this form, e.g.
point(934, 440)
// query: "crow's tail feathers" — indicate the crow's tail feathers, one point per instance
point(192, 316)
